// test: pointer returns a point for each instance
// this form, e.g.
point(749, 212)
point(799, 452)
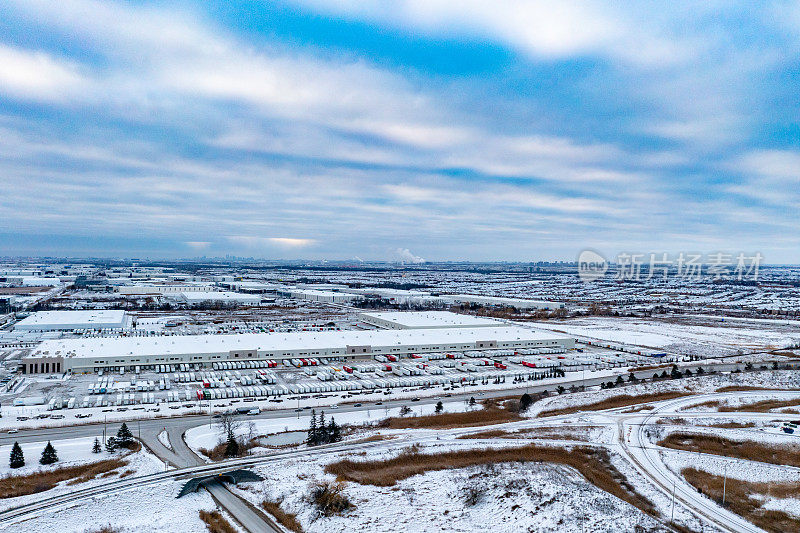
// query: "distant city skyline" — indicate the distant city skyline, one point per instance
point(476, 131)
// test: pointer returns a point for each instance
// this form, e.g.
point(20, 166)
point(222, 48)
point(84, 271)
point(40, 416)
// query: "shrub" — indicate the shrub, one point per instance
point(329, 498)
point(216, 523)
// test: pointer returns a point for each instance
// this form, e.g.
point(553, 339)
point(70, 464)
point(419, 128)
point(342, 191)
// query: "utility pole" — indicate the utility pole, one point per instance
point(672, 513)
point(724, 484)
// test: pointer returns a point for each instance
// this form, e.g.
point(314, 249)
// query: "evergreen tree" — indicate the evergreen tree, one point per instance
point(439, 407)
point(124, 436)
point(312, 429)
point(620, 381)
point(232, 448)
point(111, 444)
point(525, 402)
point(472, 401)
point(334, 433)
point(97, 448)
point(49, 455)
point(17, 459)
point(322, 429)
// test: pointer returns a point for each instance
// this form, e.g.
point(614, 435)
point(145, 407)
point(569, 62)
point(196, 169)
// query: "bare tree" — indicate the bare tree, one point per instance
point(227, 424)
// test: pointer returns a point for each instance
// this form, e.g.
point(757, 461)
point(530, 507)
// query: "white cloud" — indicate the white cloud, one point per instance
point(198, 245)
point(35, 75)
point(271, 242)
point(544, 29)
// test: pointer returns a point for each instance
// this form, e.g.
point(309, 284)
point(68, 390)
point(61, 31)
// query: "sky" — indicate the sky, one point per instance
point(403, 130)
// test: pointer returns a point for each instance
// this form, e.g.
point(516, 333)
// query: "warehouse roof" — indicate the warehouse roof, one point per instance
point(431, 319)
point(274, 342)
point(95, 318)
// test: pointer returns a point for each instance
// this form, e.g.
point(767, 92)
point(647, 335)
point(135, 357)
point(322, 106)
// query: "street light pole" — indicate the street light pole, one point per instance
point(724, 484)
point(672, 513)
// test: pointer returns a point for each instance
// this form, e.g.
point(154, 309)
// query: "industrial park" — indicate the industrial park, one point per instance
point(228, 387)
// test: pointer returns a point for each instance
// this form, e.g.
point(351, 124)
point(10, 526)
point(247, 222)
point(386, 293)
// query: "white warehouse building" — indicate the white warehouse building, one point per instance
point(426, 319)
point(94, 354)
point(72, 320)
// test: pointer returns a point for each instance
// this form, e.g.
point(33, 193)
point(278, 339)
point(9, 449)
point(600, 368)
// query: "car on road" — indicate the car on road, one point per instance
point(356, 405)
point(414, 399)
point(333, 407)
point(13, 430)
point(378, 403)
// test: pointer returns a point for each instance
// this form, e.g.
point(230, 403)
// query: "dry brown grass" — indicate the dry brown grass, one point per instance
point(491, 414)
point(763, 406)
point(733, 425)
point(594, 464)
point(713, 404)
point(742, 388)
point(329, 498)
point(488, 434)
point(216, 523)
point(716, 445)
point(13, 486)
point(623, 400)
point(287, 520)
point(739, 498)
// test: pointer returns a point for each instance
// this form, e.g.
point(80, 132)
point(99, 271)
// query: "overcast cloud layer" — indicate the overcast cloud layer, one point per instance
point(445, 130)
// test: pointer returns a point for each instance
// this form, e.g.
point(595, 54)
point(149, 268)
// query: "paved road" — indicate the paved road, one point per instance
point(181, 456)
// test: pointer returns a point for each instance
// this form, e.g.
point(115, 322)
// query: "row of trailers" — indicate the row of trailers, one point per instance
point(101, 401)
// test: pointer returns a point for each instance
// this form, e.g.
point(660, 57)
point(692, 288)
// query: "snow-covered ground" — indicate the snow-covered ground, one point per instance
point(163, 438)
point(682, 335)
point(512, 498)
point(73, 452)
point(779, 379)
point(70, 452)
point(148, 509)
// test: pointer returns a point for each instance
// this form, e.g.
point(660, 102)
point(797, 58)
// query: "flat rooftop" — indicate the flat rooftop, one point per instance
point(430, 319)
point(95, 318)
point(276, 342)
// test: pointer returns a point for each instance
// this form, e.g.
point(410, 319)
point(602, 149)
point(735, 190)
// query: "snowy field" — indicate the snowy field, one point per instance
point(696, 336)
point(513, 497)
point(780, 379)
point(149, 509)
point(72, 452)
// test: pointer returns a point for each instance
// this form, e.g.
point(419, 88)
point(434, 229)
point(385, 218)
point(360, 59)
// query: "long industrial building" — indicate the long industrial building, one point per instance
point(95, 354)
point(74, 320)
point(426, 319)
